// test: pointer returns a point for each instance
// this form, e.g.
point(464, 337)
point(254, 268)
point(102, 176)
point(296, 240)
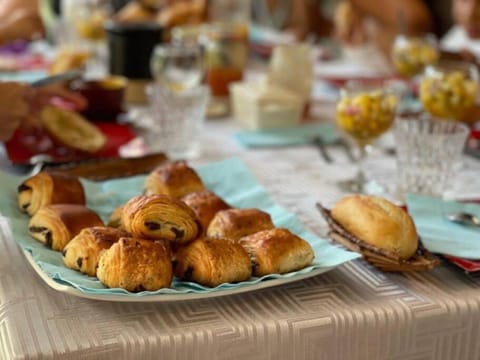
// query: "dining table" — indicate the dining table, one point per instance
point(352, 311)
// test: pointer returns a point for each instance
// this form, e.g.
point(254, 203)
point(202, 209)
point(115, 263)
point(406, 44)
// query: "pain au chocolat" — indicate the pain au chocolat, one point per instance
point(205, 204)
point(212, 261)
point(55, 225)
point(160, 217)
point(136, 265)
point(175, 179)
point(378, 222)
point(47, 188)
point(277, 251)
point(236, 223)
point(83, 252)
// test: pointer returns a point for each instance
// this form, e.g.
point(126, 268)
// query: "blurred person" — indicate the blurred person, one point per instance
point(20, 105)
point(360, 21)
point(299, 17)
point(19, 20)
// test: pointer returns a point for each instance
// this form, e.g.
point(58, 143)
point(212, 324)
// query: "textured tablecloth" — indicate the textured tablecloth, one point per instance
point(351, 312)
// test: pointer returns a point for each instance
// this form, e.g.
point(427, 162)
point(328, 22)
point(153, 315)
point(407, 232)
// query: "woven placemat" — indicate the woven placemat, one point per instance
point(382, 259)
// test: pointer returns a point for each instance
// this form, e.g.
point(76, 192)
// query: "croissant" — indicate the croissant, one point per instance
point(83, 251)
point(212, 261)
point(55, 225)
point(277, 251)
point(115, 219)
point(160, 217)
point(175, 179)
point(235, 223)
point(205, 204)
point(136, 265)
point(47, 188)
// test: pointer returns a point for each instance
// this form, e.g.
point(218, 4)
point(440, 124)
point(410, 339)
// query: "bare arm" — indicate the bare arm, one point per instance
point(19, 19)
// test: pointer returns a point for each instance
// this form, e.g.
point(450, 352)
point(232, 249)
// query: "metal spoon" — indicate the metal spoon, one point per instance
point(464, 218)
point(38, 162)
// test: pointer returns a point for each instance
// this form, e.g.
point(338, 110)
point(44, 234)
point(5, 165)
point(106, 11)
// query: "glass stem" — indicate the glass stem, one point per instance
point(362, 155)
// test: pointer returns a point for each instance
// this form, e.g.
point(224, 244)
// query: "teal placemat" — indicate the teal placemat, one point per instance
point(299, 135)
point(440, 235)
point(230, 179)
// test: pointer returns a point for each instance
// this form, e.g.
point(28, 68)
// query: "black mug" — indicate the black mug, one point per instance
point(130, 48)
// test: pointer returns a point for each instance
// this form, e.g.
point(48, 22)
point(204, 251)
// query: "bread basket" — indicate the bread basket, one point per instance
point(380, 258)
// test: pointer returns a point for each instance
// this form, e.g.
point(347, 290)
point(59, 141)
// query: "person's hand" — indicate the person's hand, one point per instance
point(349, 25)
point(21, 104)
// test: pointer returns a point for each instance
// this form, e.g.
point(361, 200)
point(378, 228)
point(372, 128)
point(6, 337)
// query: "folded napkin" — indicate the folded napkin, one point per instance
point(300, 135)
point(440, 235)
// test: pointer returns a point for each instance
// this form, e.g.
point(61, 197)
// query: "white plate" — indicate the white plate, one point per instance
point(67, 289)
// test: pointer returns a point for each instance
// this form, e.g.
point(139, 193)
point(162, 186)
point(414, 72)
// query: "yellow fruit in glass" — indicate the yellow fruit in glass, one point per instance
point(366, 115)
point(410, 55)
point(448, 95)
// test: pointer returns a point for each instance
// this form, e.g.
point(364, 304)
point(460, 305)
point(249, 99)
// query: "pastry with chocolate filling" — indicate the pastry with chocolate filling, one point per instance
point(175, 179)
point(115, 219)
point(277, 251)
point(212, 261)
point(83, 251)
point(55, 225)
point(377, 222)
point(47, 188)
point(160, 217)
point(136, 265)
point(236, 223)
point(205, 204)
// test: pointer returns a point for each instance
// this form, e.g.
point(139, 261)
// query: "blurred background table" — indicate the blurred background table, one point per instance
point(351, 312)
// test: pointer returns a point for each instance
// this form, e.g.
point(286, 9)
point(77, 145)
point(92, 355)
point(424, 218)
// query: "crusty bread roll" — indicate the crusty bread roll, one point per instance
point(377, 222)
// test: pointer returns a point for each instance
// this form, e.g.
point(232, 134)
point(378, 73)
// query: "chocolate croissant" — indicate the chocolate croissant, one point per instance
point(205, 204)
point(55, 225)
point(136, 265)
point(83, 251)
point(277, 251)
point(212, 261)
point(160, 217)
point(115, 219)
point(236, 223)
point(47, 188)
point(175, 179)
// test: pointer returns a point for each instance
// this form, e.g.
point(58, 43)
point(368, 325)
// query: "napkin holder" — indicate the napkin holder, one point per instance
point(380, 258)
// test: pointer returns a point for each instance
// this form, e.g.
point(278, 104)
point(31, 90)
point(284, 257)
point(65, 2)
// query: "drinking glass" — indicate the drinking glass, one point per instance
point(364, 112)
point(449, 89)
point(177, 67)
point(411, 54)
point(427, 150)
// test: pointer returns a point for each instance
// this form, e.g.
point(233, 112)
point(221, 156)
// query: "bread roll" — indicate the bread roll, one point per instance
point(377, 222)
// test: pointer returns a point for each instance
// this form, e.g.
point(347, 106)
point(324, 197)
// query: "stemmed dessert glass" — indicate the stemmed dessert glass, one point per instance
point(411, 54)
point(364, 112)
point(449, 90)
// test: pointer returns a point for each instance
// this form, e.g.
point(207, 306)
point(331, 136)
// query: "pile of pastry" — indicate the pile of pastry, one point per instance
point(177, 227)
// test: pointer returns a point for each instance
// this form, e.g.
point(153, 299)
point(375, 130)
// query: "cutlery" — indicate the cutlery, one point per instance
point(52, 79)
point(38, 162)
point(464, 218)
point(346, 147)
point(321, 146)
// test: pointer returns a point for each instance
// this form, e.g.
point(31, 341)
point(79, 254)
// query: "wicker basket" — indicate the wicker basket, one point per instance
point(382, 259)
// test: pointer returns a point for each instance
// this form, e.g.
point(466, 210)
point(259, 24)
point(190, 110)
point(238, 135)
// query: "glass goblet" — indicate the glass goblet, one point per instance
point(364, 112)
point(411, 54)
point(177, 67)
point(449, 89)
